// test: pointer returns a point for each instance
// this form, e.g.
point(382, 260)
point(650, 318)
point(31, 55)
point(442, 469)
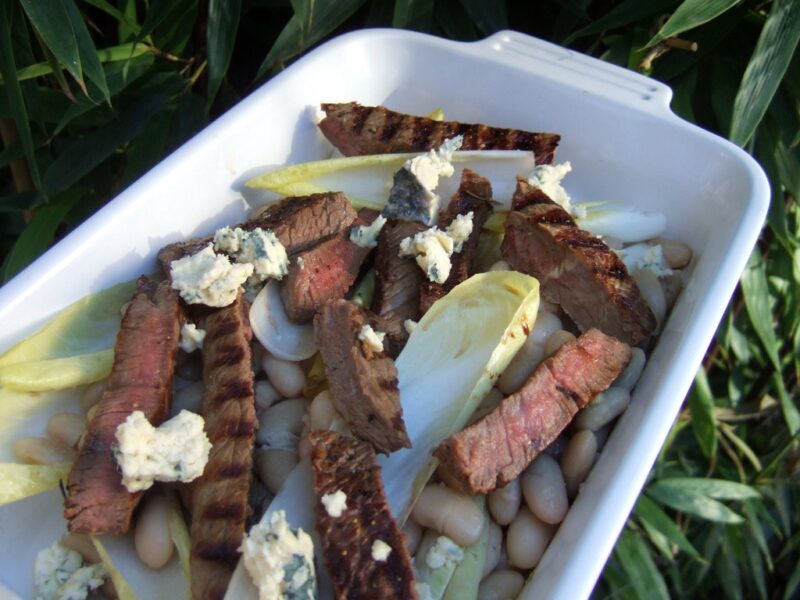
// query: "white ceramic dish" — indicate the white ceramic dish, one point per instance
point(619, 134)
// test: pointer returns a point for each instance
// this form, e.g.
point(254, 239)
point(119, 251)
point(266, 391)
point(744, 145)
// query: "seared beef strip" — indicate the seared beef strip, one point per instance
point(141, 379)
point(576, 269)
point(323, 273)
point(496, 449)
point(363, 383)
point(345, 464)
point(474, 195)
point(219, 497)
point(356, 130)
point(297, 222)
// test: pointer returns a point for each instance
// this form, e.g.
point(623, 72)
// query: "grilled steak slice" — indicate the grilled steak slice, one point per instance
point(576, 269)
point(297, 222)
point(141, 379)
point(474, 195)
point(363, 383)
point(219, 497)
point(496, 449)
point(323, 273)
point(343, 463)
point(356, 130)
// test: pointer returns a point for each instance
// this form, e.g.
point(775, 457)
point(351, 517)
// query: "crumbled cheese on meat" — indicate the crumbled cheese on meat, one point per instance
point(208, 278)
point(191, 337)
point(301, 262)
point(460, 229)
point(548, 179)
point(638, 257)
point(366, 236)
point(259, 247)
point(371, 339)
point(410, 325)
point(429, 167)
point(432, 249)
point(335, 503)
point(175, 451)
point(61, 573)
point(279, 560)
point(444, 551)
point(380, 550)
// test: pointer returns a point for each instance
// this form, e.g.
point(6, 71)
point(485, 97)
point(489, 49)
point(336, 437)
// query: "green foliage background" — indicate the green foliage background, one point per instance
point(95, 92)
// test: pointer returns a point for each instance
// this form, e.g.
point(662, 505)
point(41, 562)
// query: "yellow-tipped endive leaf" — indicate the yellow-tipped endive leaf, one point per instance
point(57, 373)
point(124, 591)
point(18, 481)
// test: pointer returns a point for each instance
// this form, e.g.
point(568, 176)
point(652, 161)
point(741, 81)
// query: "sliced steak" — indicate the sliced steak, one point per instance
point(576, 269)
point(297, 222)
point(219, 497)
point(496, 449)
point(141, 379)
point(356, 130)
point(323, 273)
point(474, 195)
point(344, 464)
point(363, 383)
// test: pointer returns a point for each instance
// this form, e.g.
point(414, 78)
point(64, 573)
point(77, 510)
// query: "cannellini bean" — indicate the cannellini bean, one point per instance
point(93, 394)
point(266, 394)
point(304, 445)
point(601, 435)
point(487, 405)
point(281, 424)
point(578, 459)
point(628, 378)
point(82, 544)
point(450, 513)
point(676, 254)
point(500, 265)
point(545, 490)
point(504, 502)
point(189, 398)
point(671, 285)
point(530, 354)
point(43, 451)
point(494, 548)
point(526, 539)
point(505, 584)
point(651, 291)
point(321, 412)
point(66, 428)
point(604, 408)
point(273, 466)
point(287, 377)
point(555, 341)
point(413, 533)
point(151, 536)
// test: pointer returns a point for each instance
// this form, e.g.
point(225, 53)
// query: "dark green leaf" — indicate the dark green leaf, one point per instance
point(127, 32)
point(223, 22)
point(109, 9)
point(727, 566)
point(157, 11)
point(413, 14)
point(790, 412)
point(756, 300)
point(765, 146)
point(174, 32)
point(625, 13)
point(488, 16)
point(691, 14)
point(656, 520)
point(793, 584)
point(704, 424)
point(719, 489)
point(634, 556)
point(454, 21)
point(52, 23)
point(764, 72)
point(16, 203)
point(693, 503)
point(756, 564)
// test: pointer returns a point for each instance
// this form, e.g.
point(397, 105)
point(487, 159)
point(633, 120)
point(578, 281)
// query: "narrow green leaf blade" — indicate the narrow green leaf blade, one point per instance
point(653, 517)
point(790, 412)
point(704, 424)
point(766, 68)
point(755, 290)
point(693, 504)
point(632, 553)
point(110, 9)
point(622, 14)
point(53, 24)
point(223, 23)
point(413, 14)
point(488, 16)
point(86, 50)
point(691, 14)
point(719, 489)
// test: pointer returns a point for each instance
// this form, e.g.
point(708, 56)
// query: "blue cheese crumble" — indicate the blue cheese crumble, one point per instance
point(444, 552)
point(638, 257)
point(366, 236)
point(548, 179)
point(279, 560)
point(335, 503)
point(175, 451)
point(208, 278)
point(191, 338)
point(380, 551)
point(259, 247)
point(371, 339)
point(432, 248)
point(62, 574)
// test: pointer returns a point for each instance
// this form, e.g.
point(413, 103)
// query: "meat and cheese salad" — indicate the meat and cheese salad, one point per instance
point(391, 382)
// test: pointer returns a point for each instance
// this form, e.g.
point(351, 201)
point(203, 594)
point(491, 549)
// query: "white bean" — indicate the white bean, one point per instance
point(281, 424)
point(494, 548)
point(676, 254)
point(555, 341)
point(604, 408)
point(487, 405)
point(556, 447)
point(189, 398)
point(43, 451)
point(651, 291)
point(66, 428)
point(527, 539)
point(93, 394)
point(504, 502)
point(413, 533)
point(500, 265)
point(151, 536)
point(545, 490)
point(501, 585)
point(82, 544)
point(671, 285)
point(321, 412)
point(547, 323)
point(633, 371)
point(601, 435)
point(450, 513)
point(287, 377)
point(530, 354)
point(273, 466)
point(304, 445)
point(266, 394)
point(578, 459)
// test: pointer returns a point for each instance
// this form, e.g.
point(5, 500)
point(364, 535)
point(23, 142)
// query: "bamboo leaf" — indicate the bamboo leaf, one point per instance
point(719, 489)
point(691, 14)
point(109, 9)
point(413, 14)
point(756, 300)
point(655, 519)
point(793, 584)
point(693, 504)
point(488, 16)
point(766, 68)
point(223, 23)
point(790, 412)
point(634, 556)
point(704, 423)
point(625, 13)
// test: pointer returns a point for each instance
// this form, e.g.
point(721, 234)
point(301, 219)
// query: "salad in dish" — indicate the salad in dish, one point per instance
point(391, 380)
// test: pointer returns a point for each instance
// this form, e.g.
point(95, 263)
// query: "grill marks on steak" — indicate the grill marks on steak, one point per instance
point(576, 269)
point(355, 129)
point(219, 497)
point(141, 379)
point(297, 222)
point(323, 273)
point(474, 195)
point(363, 383)
point(496, 449)
point(343, 463)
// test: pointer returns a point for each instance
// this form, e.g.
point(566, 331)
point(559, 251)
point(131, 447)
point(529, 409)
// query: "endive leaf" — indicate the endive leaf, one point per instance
point(436, 580)
point(625, 223)
point(124, 591)
point(57, 373)
point(19, 481)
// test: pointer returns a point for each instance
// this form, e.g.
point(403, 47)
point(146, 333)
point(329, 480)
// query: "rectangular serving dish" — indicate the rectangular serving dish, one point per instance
point(617, 130)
